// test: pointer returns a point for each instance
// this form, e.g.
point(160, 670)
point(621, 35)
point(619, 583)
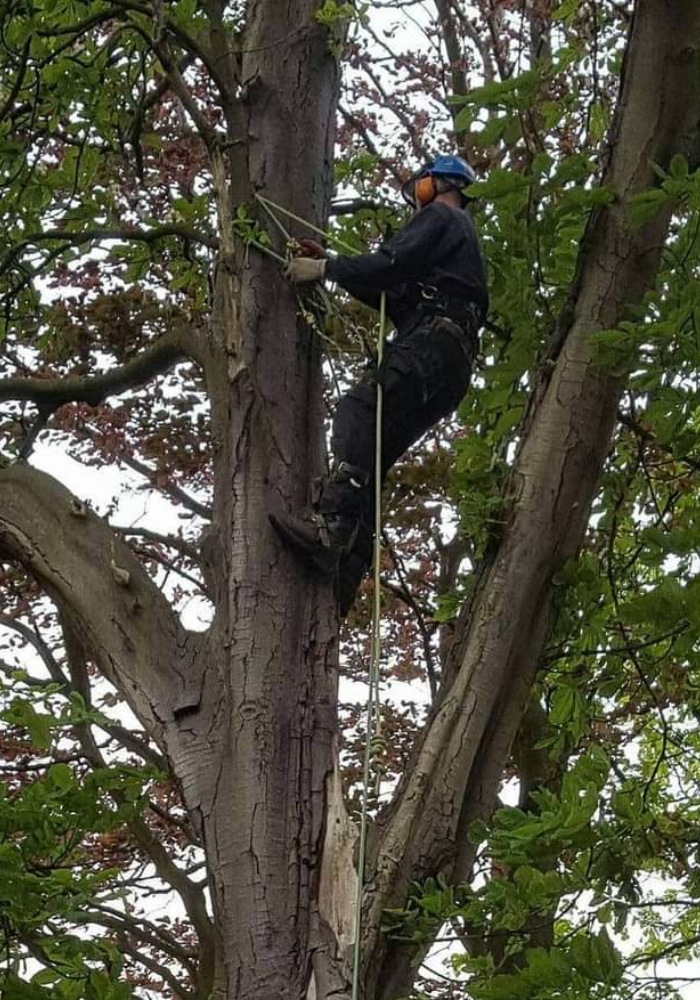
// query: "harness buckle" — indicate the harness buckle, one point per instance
point(429, 293)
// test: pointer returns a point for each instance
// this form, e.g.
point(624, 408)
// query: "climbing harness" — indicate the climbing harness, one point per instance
point(373, 711)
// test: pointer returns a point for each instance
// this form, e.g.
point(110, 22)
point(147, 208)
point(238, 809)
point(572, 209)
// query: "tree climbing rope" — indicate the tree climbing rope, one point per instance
point(323, 303)
point(373, 717)
point(373, 704)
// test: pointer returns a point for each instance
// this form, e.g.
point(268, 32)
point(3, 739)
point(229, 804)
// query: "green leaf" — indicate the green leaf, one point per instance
point(60, 777)
point(23, 714)
point(562, 706)
point(499, 184)
point(678, 168)
point(608, 958)
point(646, 205)
point(447, 607)
point(565, 11)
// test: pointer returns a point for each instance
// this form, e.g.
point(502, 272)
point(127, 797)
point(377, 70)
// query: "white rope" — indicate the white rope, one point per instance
point(373, 696)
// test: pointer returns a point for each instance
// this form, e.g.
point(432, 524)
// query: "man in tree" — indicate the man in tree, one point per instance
point(434, 278)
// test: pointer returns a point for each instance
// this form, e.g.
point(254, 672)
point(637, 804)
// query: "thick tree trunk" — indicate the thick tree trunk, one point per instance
point(257, 744)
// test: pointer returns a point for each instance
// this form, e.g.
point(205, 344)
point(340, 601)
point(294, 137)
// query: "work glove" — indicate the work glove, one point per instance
point(301, 270)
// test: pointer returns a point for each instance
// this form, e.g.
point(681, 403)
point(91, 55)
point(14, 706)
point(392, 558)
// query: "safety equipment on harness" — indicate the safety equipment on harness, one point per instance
point(301, 270)
point(421, 189)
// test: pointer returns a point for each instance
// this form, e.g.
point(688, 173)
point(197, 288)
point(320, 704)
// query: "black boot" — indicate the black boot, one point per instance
point(328, 533)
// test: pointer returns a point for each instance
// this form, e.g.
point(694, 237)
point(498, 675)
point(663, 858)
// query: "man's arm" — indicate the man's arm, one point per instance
point(405, 257)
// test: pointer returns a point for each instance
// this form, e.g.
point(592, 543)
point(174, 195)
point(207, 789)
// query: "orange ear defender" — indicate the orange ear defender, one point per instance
point(424, 190)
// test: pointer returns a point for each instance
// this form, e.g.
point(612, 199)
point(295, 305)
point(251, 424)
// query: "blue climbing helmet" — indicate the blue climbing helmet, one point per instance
point(453, 166)
point(420, 189)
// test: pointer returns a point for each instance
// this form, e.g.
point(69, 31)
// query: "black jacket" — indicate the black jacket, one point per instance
point(437, 249)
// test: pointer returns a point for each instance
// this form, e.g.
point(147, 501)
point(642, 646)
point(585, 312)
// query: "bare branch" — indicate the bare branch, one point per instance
point(115, 608)
point(191, 894)
point(37, 643)
point(353, 205)
point(102, 234)
point(354, 120)
point(171, 541)
point(50, 394)
point(403, 591)
point(179, 87)
point(172, 489)
point(453, 47)
point(186, 41)
point(173, 567)
point(9, 103)
point(147, 932)
point(644, 434)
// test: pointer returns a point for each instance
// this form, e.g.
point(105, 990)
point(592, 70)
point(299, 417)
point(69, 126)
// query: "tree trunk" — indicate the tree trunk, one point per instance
point(566, 436)
point(256, 746)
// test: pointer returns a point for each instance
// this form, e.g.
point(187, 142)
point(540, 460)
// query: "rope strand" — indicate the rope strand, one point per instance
point(373, 696)
point(309, 225)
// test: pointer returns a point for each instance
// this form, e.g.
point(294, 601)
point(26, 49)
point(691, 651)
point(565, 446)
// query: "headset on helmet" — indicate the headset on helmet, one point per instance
point(421, 188)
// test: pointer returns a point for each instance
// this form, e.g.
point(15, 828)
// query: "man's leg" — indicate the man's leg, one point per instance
point(332, 529)
point(424, 377)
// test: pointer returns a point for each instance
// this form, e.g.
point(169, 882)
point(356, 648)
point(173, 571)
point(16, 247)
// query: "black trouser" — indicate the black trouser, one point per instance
point(424, 375)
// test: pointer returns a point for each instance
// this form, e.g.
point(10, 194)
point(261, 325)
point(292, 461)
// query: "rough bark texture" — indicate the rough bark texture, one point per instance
point(256, 745)
point(247, 713)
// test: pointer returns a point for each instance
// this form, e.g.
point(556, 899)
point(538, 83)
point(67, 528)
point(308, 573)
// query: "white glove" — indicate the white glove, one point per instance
point(301, 270)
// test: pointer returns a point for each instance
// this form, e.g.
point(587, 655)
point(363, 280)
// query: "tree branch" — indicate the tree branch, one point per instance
point(179, 544)
point(172, 489)
point(355, 122)
point(453, 47)
point(51, 393)
point(149, 933)
point(115, 608)
point(190, 893)
point(100, 234)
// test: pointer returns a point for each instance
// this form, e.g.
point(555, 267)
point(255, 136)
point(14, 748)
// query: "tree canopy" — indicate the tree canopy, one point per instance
point(178, 794)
